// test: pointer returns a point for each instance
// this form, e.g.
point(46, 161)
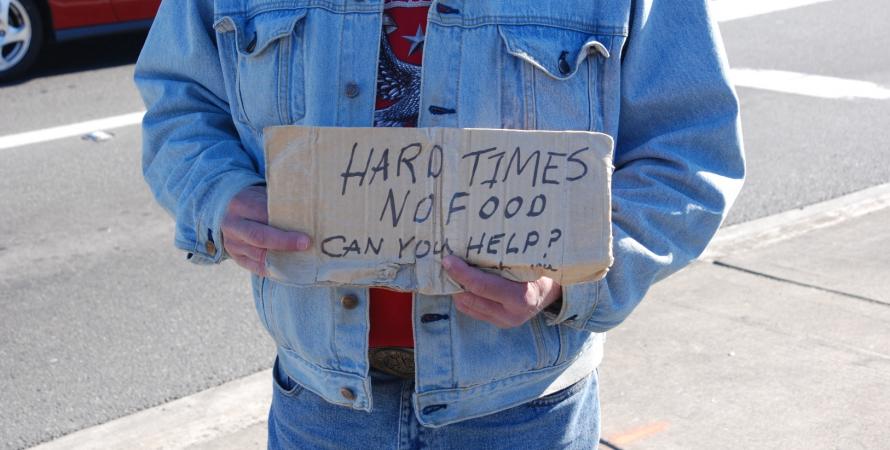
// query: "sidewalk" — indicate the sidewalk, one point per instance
point(786, 346)
point(782, 346)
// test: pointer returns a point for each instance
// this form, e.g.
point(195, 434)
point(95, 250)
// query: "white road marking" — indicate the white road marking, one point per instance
point(726, 10)
point(243, 403)
point(771, 80)
point(75, 129)
point(809, 85)
point(723, 10)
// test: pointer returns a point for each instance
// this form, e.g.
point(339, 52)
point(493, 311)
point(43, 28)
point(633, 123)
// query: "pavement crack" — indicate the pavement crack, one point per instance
point(608, 444)
point(798, 283)
point(833, 343)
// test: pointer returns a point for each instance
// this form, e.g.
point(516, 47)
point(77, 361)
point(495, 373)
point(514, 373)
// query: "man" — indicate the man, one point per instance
point(503, 364)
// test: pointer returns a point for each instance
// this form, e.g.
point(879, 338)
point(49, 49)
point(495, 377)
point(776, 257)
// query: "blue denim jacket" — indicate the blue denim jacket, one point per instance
point(650, 73)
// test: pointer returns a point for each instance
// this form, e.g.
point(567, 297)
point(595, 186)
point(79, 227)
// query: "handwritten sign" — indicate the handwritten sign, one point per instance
point(384, 205)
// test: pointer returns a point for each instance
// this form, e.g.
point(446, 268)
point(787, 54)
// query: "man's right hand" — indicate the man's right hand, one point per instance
point(246, 233)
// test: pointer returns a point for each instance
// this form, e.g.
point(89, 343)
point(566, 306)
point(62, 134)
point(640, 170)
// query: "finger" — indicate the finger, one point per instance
point(257, 267)
point(264, 236)
point(483, 284)
point(251, 203)
point(464, 308)
point(502, 316)
point(482, 305)
point(237, 247)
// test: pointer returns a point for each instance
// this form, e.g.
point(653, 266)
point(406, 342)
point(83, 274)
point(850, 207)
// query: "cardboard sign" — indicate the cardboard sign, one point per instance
point(383, 205)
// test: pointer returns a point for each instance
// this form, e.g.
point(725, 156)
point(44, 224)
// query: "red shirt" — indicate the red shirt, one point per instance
point(398, 93)
point(390, 318)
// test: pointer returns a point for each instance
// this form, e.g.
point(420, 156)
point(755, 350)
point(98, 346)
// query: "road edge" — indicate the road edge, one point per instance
point(207, 415)
point(769, 230)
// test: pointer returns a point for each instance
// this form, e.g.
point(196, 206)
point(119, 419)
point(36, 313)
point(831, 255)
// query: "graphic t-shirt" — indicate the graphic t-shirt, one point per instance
point(398, 71)
point(397, 105)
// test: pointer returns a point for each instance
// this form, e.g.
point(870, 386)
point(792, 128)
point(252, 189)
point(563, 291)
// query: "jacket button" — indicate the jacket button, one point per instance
point(349, 301)
point(564, 67)
point(352, 90)
point(347, 394)
point(427, 318)
point(433, 408)
point(210, 247)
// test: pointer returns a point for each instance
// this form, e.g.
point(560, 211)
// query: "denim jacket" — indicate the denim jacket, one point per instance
point(650, 73)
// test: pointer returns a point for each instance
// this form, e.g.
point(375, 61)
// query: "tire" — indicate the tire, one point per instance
point(21, 38)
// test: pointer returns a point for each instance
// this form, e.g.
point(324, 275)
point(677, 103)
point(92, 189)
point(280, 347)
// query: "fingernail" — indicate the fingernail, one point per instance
point(446, 263)
point(303, 243)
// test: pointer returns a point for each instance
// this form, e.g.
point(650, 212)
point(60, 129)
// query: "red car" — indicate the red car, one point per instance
point(26, 26)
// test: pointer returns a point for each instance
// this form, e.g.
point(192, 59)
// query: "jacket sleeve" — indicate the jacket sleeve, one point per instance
point(679, 162)
point(192, 156)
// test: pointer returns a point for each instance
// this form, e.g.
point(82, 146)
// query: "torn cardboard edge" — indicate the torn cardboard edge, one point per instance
point(384, 205)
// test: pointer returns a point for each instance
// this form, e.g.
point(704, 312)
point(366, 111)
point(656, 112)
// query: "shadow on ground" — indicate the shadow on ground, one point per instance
point(85, 55)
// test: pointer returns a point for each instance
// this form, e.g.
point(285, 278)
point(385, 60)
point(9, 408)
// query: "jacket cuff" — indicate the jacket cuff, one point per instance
point(206, 247)
point(578, 303)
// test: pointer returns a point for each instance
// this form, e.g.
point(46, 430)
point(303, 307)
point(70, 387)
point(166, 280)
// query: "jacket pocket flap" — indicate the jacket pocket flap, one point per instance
point(556, 51)
point(253, 35)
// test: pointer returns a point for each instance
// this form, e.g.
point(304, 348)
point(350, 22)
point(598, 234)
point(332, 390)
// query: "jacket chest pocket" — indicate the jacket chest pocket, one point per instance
point(262, 58)
point(556, 76)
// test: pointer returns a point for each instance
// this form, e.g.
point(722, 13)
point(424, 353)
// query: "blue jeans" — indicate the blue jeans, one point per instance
point(299, 419)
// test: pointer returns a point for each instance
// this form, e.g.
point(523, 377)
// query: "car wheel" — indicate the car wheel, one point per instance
point(21, 37)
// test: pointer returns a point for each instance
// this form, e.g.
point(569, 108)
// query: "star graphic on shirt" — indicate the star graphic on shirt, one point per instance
point(389, 25)
point(416, 40)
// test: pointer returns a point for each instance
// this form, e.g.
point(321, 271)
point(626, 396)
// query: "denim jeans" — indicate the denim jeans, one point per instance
point(299, 419)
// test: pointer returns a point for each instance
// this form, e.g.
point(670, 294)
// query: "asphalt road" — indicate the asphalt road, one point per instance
point(100, 316)
point(802, 150)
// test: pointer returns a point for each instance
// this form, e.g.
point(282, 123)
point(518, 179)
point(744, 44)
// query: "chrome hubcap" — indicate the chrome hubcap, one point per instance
point(15, 33)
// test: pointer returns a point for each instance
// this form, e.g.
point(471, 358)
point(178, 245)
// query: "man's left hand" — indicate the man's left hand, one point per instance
point(497, 300)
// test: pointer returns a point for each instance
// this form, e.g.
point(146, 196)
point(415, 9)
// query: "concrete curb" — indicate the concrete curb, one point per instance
point(202, 417)
point(762, 232)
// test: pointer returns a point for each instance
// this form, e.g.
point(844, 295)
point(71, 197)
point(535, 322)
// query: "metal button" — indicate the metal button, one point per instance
point(210, 247)
point(349, 301)
point(351, 90)
point(564, 67)
point(347, 394)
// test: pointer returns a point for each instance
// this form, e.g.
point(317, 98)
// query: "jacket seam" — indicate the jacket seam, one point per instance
point(525, 374)
point(584, 27)
point(596, 301)
point(279, 6)
point(473, 22)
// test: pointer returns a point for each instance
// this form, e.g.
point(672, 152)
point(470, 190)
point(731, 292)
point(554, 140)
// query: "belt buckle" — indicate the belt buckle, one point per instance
point(397, 361)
